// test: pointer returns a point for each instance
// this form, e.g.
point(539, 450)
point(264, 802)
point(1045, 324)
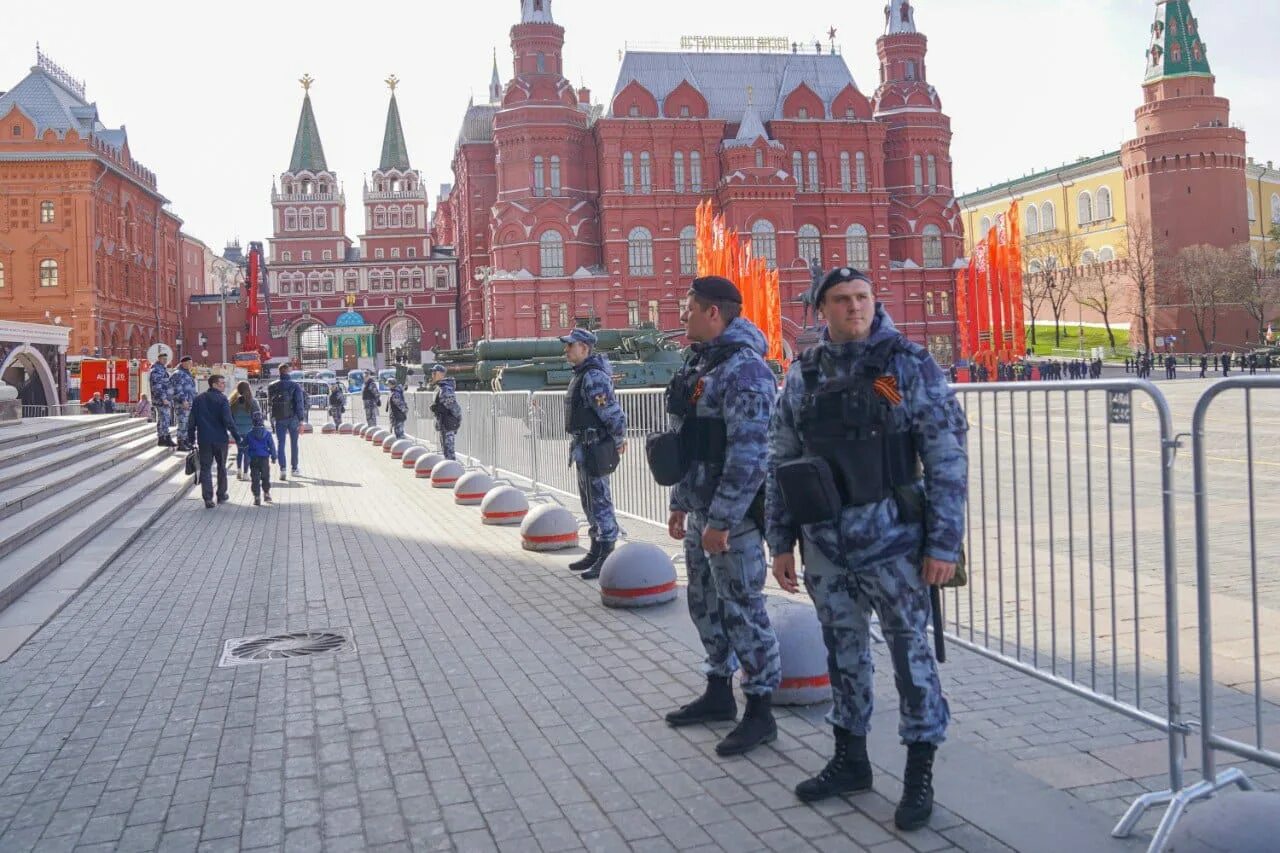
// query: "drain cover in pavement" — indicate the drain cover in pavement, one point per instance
point(284, 646)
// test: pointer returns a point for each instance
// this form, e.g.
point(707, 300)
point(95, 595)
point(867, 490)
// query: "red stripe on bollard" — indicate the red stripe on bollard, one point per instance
point(639, 593)
point(798, 683)
point(559, 537)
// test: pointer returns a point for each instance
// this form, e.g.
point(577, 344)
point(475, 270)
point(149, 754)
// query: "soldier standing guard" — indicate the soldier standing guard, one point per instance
point(161, 399)
point(867, 465)
point(445, 409)
point(184, 395)
point(598, 437)
point(720, 405)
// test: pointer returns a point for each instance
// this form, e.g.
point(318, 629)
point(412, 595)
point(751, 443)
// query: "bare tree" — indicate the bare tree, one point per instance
point(1255, 289)
point(1035, 292)
point(1209, 277)
point(1057, 259)
point(1146, 258)
point(1099, 287)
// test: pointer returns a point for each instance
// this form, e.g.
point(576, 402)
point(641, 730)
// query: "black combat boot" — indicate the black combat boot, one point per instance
point(917, 788)
point(590, 557)
point(606, 548)
point(716, 705)
point(757, 727)
point(846, 773)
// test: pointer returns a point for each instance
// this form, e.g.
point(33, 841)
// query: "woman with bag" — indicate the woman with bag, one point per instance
point(243, 407)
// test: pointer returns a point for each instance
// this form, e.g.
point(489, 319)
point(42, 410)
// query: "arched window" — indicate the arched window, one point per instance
point(1084, 205)
point(764, 242)
point(304, 219)
point(46, 212)
point(846, 173)
point(1033, 219)
point(1275, 210)
point(628, 173)
point(1252, 205)
point(1048, 217)
point(860, 163)
point(1035, 268)
point(539, 176)
point(419, 279)
point(984, 228)
point(932, 247)
point(759, 158)
point(814, 184)
point(857, 248)
point(48, 273)
point(646, 173)
point(408, 216)
point(321, 220)
point(405, 280)
point(393, 217)
point(551, 254)
point(326, 282)
point(442, 279)
point(291, 219)
point(695, 171)
point(688, 251)
point(678, 172)
point(797, 169)
point(917, 166)
point(640, 251)
point(555, 175)
point(808, 243)
point(933, 173)
point(1088, 258)
point(1103, 205)
point(380, 217)
point(1106, 254)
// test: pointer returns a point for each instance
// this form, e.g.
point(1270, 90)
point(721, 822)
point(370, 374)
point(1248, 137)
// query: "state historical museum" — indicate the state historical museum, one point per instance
point(564, 210)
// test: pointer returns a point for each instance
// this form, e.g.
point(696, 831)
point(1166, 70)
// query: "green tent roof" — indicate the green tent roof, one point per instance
point(1176, 49)
point(308, 153)
point(394, 153)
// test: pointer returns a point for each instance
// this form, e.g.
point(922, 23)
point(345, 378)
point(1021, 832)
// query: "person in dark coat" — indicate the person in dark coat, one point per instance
point(94, 405)
point(210, 429)
point(1204, 365)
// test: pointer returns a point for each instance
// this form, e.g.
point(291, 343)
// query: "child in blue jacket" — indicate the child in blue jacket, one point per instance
point(261, 448)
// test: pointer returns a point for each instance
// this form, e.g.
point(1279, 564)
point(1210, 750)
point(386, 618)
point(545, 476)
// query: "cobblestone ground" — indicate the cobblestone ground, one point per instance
point(491, 703)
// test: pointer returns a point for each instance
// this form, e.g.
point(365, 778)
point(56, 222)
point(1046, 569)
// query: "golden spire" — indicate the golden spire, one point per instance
point(392, 82)
point(306, 80)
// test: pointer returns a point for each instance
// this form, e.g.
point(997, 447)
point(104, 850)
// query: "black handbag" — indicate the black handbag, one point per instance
point(809, 490)
point(601, 458)
point(192, 465)
point(662, 449)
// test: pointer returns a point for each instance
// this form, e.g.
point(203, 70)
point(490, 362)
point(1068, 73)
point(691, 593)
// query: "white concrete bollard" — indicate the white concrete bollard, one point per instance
point(805, 679)
point(389, 442)
point(549, 528)
point(400, 447)
point(412, 455)
point(329, 429)
point(305, 428)
point(637, 574)
point(358, 429)
point(504, 505)
point(345, 429)
point(425, 464)
point(378, 436)
point(446, 473)
point(471, 488)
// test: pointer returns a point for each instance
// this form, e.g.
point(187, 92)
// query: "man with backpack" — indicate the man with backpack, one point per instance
point(288, 407)
point(445, 409)
point(397, 408)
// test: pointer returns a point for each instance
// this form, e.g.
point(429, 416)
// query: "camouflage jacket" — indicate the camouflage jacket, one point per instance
point(740, 391)
point(184, 386)
point(161, 386)
point(929, 409)
point(597, 392)
point(447, 398)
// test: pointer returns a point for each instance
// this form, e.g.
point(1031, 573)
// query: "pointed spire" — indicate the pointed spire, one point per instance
point(308, 153)
point(752, 127)
point(495, 82)
point(1176, 49)
point(899, 18)
point(535, 12)
point(394, 153)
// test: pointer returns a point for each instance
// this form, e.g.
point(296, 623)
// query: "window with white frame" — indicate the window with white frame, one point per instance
point(1033, 219)
point(857, 248)
point(1106, 254)
point(326, 255)
point(695, 171)
point(653, 311)
point(759, 158)
point(1035, 267)
point(411, 252)
point(640, 251)
point(846, 173)
point(555, 175)
point(1275, 210)
point(928, 304)
point(291, 220)
point(442, 279)
point(1252, 205)
point(322, 219)
point(1102, 204)
point(304, 219)
point(409, 217)
point(814, 184)
point(917, 166)
point(646, 173)
point(379, 253)
point(379, 217)
point(551, 253)
point(395, 251)
point(633, 313)
point(688, 251)
point(1048, 217)
point(678, 172)
point(2, 276)
point(563, 314)
point(932, 240)
point(860, 164)
point(1084, 208)
point(933, 173)
point(797, 169)
point(628, 173)
point(1088, 258)
point(306, 254)
point(393, 217)
point(809, 243)
point(984, 228)
point(48, 273)
point(944, 303)
point(545, 311)
point(539, 177)
point(764, 242)
point(46, 213)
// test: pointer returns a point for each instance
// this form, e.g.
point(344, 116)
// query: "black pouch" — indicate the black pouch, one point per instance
point(191, 466)
point(809, 488)
point(601, 458)
point(662, 450)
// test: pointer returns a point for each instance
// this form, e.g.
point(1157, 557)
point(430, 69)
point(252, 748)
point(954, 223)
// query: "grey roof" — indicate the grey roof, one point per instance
point(395, 155)
point(477, 124)
point(900, 17)
point(308, 153)
point(749, 130)
point(723, 78)
point(53, 106)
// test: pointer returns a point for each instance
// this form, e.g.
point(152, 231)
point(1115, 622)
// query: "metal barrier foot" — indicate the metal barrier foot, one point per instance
point(1177, 805)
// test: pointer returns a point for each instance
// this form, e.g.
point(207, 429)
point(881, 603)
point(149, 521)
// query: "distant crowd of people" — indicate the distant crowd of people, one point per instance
point(1143, 363)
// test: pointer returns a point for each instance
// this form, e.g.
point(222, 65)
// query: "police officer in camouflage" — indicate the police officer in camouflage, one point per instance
point(868, 470)
point(719, 406)
point(184, 396)
point(161, 399)
point(597, 427)
point(446, 409)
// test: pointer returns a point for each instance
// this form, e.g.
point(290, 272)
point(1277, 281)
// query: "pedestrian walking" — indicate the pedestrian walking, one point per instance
point(162, 397)
point(143, 409)
point(372, 400)
point(864, 412)
point(337, 403)
point(184, 395)
point(1253, 364)
point(719, 405)
point(209, 428)
point(445, 409)
point(1204, 365)
point(243, 408)
point(260, 448)
point(288, 410)
point(397, 408)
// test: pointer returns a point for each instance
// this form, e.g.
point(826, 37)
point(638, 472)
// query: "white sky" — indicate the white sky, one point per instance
point(210, 97)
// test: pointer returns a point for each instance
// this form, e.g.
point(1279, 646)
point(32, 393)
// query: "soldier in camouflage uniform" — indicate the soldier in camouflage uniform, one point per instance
point(184, 395)
point(880, 555)
point(446, 409)
point(720, 405)
point(161, 399)
point(592, 415)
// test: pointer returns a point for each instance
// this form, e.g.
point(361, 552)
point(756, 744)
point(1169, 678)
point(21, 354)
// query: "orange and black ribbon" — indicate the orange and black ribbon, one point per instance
point(887, 387)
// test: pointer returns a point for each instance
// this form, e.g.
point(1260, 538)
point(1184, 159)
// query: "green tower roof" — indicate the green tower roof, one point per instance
point(1176, 49)
point(394, 153)
point(308, 153)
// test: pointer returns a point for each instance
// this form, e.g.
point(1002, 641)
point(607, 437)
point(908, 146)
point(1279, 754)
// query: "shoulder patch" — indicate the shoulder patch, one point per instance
point(602, 400)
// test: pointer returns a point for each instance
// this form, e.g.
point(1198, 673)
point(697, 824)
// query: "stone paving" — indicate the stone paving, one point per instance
point(491, 703)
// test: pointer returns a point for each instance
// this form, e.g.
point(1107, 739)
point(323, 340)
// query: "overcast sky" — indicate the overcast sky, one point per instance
point(210, 96)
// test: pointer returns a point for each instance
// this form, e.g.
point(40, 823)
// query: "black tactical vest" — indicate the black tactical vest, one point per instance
point(702, 439)
point(579, 414)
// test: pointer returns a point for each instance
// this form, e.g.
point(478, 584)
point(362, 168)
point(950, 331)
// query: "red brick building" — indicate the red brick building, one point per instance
point(565, 209)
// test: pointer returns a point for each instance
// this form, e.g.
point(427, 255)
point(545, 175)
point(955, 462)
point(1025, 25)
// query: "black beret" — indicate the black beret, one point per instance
point(839, 275)
point(717, 289)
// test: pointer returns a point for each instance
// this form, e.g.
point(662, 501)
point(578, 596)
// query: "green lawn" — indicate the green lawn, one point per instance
point(1071, 340)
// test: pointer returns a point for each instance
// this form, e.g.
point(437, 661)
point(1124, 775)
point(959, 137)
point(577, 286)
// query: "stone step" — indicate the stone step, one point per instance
point(143, 500)
point(18, 479)
point(20, 528)
point(62, 438)
point(33, 430)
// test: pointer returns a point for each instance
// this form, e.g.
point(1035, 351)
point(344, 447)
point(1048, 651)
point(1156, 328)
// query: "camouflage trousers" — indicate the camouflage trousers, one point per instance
point(447, 444)
point(844, 599)
point(597, 506)
point(163, 419)
point(726, 601)
point(182, 411)
point(397, 427)
point(371, 414)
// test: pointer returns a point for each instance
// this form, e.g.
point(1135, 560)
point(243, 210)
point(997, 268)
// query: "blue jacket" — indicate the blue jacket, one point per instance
point(873, 533)
point(242, 414)
point(161, 386)
point(741, 391)
point(210, 421)
point(259, 444)
point(293, 391)
point(447, 398)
